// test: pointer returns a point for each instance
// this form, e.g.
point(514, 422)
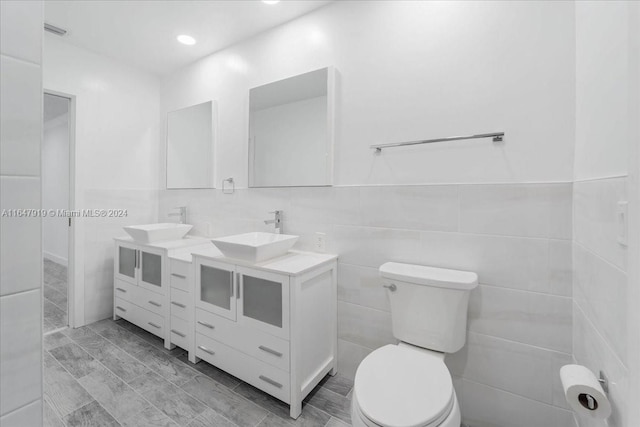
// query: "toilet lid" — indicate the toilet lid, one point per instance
point(403, 387)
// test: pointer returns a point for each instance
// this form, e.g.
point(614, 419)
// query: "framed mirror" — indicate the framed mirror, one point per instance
point(190, 146)
point(291, 131)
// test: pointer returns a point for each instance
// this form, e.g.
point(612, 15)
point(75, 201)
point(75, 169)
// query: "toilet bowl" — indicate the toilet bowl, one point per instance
point(408, 385)
point(404, 386)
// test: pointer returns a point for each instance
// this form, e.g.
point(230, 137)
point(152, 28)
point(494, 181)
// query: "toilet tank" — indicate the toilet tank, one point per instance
point(428, 304)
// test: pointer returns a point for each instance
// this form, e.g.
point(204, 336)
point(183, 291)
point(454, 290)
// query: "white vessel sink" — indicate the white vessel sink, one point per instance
point(151, 233)
point(255, 247)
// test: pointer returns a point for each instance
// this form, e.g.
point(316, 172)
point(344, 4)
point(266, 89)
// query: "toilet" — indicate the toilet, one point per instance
point(408, 384)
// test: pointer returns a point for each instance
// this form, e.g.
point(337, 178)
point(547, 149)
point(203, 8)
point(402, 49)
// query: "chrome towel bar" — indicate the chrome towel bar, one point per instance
point(497, 137)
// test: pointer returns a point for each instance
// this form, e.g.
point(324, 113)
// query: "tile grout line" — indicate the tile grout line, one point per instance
point(232, 390)
point(168, 381)
point(118, 377)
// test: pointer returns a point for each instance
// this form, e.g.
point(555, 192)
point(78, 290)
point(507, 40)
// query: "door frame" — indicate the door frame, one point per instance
point(75, 282)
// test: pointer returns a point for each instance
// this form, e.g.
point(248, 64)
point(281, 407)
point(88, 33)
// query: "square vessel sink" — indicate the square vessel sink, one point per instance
point(152, 233)
point(255, 247)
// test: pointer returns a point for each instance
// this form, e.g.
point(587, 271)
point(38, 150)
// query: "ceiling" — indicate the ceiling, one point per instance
point(143, 33)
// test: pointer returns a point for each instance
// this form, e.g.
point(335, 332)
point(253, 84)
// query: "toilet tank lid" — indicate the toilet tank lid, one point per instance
point(432, 276)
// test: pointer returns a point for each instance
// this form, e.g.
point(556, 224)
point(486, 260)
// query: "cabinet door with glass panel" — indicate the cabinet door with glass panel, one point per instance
point(151, 267)
point(140, 266)
point(263, 301)
point(126, 259)
point(216, 288)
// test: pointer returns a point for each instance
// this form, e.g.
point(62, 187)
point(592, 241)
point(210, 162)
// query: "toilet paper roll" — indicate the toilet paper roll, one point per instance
point(584, 393)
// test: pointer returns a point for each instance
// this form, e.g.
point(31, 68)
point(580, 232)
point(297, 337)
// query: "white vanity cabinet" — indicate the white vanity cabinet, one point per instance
point(141, 283)
point(271, 324)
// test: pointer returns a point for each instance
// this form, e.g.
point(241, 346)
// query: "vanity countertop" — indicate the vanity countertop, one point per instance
point(292, 263)
point(188, 241)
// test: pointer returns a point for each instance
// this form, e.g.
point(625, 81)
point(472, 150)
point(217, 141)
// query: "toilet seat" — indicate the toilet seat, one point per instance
point(402, 386)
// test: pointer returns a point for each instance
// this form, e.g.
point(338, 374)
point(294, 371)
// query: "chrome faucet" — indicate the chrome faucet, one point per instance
point(182, 214)
point(277, 221)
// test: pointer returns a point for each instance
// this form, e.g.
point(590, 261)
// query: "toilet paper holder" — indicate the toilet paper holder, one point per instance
point(604, 382)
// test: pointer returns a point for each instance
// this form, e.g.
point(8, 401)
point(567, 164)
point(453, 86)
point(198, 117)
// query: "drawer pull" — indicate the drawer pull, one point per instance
point(121, 290)
point(178, 304)
point(207, 325)
point(206, 350)
point(121, 309)
point(155, 303)
point(268, 350)
point(179, 276)
point(270, 381)
point(154, 325)
point(180, 334)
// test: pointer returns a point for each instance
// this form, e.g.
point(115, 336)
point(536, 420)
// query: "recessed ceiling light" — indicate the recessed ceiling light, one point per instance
point(185, 39)
point(270, 1)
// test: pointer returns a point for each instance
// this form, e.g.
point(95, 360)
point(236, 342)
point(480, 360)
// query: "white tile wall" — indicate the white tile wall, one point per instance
point(21, 30)
point(520, 317)
point(20, 238)
point(484, 406)
point(19, 256)
point(595, 218)
point(600, 289)
point(20, 127)
point(20, 349)
point(29, 415)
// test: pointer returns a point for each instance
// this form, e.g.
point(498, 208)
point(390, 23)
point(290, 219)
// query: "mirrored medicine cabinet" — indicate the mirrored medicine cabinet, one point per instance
point(291, 131)
point(190, 146)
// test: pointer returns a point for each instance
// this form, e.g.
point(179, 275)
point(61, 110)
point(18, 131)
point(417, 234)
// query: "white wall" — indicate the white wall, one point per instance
point(602, 89)
point(605, 300)
point(412, 70)
point(20, 237)
point(116, 157)
point(55, 188)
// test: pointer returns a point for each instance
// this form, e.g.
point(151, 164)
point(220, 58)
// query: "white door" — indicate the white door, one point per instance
point(215, 288)
point(263, 301)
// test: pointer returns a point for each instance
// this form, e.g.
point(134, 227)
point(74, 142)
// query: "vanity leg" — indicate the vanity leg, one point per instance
point(333, 371)
point(295, 409)
point(168, 345)
point(192, 358)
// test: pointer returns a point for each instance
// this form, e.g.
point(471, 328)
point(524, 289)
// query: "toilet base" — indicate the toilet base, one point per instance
point(359, 420)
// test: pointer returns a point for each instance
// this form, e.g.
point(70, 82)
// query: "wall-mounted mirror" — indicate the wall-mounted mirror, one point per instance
point(190, 146)
point(291, 131)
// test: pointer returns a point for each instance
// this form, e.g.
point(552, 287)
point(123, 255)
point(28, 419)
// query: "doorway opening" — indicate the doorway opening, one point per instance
point(57, 194)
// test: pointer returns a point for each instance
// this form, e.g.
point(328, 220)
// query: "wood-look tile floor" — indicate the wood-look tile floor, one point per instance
point(116, 374)
point(55, 296)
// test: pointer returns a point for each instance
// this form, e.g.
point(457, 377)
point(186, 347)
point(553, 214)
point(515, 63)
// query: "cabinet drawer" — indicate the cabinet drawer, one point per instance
point(255, 343)
point(179, 275)
point(259, 374)
point(150, 322)
point(125, 309)
point(180, 332)
point(145, 319)
point(139, 296)
point(181, 304)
